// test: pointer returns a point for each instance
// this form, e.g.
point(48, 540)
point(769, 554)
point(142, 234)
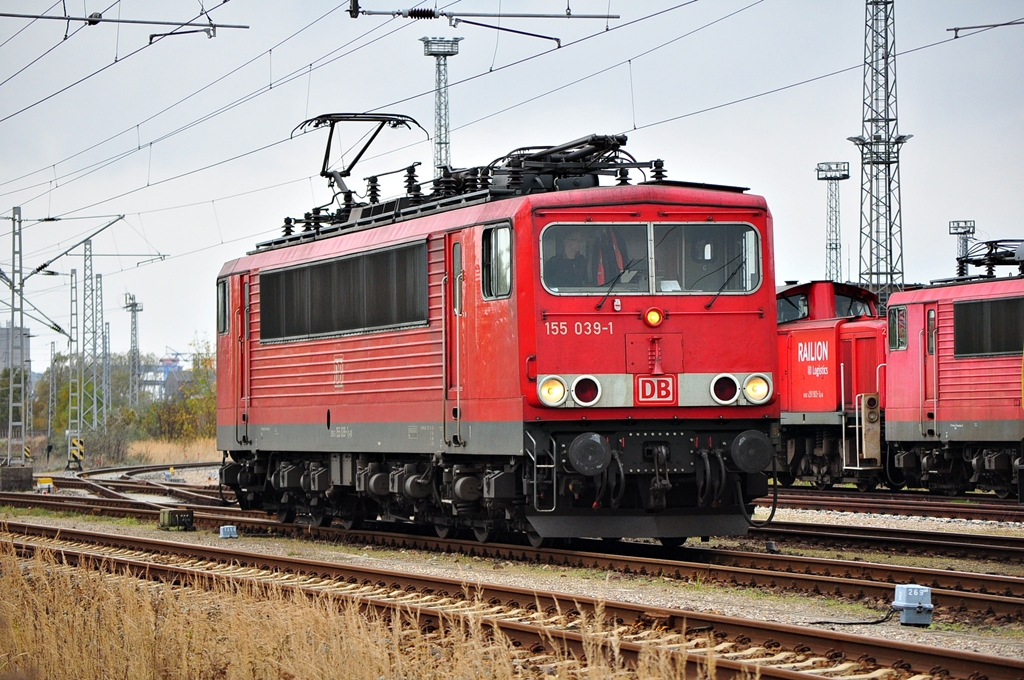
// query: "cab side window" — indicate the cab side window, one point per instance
point(897, 328)
point(496, 261)
point(222, 307)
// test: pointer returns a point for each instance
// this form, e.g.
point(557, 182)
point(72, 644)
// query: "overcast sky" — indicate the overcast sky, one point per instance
point(188, 138)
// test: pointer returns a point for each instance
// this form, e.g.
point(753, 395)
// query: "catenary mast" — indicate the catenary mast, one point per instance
point(881, 229)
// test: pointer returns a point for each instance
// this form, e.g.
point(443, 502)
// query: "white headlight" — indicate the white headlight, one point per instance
point(757, 388)
point(552, 391)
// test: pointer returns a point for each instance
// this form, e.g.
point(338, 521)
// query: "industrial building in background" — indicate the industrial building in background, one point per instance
point(833, 173)
point(881, 230)
point(441, 49)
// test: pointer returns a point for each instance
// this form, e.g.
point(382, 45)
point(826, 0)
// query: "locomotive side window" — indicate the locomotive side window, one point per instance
point(897, 328)
point(931, 331)
point(374, 291)
point(988, 327)
point(650, 258)
point(496, 261)
point(792, 308)
point(457, 277)
point(223, 314)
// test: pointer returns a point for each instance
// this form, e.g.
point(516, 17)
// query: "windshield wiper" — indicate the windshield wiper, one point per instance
point(734, 273)
point(611, 284)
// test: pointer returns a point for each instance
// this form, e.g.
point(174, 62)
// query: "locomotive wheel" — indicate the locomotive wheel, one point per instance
point(320, 519)
point(672, 541)
point(822, 484)
point(351, 523)
point(444, 530)
point(785, 479)
point(535, 540)
point(483, 534)
point(286, 515)
point(866, 486)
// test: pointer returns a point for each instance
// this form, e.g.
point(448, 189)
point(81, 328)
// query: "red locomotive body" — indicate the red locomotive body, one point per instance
point(831, 355)
point(509, 354)
point(954, 415)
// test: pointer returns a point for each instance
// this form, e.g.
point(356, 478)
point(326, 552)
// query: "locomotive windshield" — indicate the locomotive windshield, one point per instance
point(650, 258)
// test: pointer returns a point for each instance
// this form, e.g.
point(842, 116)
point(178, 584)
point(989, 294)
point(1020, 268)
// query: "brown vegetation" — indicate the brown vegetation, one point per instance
point(58, 622)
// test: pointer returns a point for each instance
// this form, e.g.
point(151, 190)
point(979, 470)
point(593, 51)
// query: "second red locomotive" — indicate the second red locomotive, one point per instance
point(520, 350)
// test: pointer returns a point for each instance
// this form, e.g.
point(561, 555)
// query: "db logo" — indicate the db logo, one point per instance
point(654, 390)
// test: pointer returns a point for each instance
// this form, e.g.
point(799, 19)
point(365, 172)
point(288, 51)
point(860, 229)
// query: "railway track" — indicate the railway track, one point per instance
point(956, 595)
point(972, 506)
point(544, 622)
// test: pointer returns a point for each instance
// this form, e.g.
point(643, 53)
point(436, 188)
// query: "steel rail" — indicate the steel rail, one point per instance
point(984, 595)
point(886, 653)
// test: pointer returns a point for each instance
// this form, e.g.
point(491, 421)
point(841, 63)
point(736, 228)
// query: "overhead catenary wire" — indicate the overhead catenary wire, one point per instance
point(303, 70)
point(29, 107)
point(99, 165)
point(44, 54)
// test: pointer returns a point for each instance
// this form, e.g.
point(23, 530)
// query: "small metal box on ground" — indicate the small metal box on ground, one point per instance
point(16, 478)
point(914, 604)
point(176, 518)
point(228, 531)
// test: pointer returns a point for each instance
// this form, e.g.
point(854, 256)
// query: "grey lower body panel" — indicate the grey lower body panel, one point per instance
point(481, 438)
point(956, 431)
point(813, 418)
point(636, 524)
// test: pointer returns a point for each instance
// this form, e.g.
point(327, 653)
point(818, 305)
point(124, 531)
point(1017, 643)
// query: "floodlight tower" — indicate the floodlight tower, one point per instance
point(964, 231)
point(441, 49)
point(881, 225)
point(134, 369)
point(833, 173)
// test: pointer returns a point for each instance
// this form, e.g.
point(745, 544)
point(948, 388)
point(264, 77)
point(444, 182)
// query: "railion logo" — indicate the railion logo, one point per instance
point(812, 351)
point(654, 390)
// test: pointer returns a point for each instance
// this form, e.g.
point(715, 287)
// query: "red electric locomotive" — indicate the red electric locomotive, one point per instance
point(520, 350)
point(954, 420)
point(831, 355)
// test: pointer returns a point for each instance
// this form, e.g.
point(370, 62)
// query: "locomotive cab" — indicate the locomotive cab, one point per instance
point(832, 361)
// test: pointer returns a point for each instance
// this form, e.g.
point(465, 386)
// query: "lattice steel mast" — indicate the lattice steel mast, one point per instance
point(441, 49)
point(75, 377)
point(134, 369)
point(51, 402)
point(90, 344)
point(16, 370)
point(833, 173)
point(881, 229)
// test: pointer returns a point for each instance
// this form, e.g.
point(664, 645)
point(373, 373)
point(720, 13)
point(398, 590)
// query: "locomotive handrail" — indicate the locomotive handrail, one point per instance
point(921, 386)
point(842, 406)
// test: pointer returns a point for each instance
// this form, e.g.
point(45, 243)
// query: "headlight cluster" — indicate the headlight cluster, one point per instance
point(585, 390)
point(725, 388)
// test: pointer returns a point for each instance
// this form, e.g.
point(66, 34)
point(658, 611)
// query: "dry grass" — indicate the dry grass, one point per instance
point(157, 451)
point(60, 623)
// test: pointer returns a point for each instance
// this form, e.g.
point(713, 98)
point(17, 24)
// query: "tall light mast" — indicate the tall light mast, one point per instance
point(441, 49)
point(881, 227)
point(134, 369)
point(964, 231)
point(833, 173)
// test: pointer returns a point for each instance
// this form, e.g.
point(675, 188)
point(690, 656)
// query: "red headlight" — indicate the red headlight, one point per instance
point(725, 389)
point(586, 390)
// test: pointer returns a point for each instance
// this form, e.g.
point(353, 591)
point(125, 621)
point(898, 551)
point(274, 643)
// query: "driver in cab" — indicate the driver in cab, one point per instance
point(568, 267)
